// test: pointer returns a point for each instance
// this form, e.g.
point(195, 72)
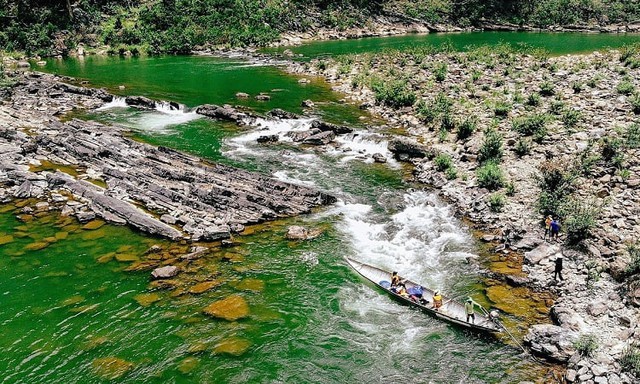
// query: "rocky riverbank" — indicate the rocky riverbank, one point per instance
point(551, 117)
point(90, 170)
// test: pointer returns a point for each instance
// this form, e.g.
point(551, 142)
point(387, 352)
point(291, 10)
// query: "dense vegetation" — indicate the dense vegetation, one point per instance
point(48, 27)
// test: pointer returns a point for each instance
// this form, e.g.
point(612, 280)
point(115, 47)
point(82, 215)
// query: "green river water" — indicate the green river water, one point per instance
point(71, 312)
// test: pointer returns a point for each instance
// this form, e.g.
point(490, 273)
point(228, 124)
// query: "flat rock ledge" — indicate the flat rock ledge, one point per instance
point(154, 189)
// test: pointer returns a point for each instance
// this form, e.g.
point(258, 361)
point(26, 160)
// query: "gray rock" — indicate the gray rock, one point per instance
point(282, 114)
point(551, 341)
point(166, 272)
point(597, 308)
point(140, 102)
point(324, 126)
point(321, 138)
point(541, 252)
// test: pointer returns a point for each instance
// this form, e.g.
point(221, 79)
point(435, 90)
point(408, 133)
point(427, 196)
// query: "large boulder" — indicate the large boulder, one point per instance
point(321, 138)
point(540, 253)
point(232, 308)
point(337, 129)
point(225, 112)
point(140, 102)
point(551, 341)
point(278, 113)
point(404, 149)
point(296, 232)
point(165, 272)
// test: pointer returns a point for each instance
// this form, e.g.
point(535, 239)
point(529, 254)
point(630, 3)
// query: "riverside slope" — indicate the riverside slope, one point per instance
point(597, 298)
point(154, 189)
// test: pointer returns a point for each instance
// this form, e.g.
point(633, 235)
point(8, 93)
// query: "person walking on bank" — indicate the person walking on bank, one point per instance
point(555, 228)
point(547, 227)
point(557, 273)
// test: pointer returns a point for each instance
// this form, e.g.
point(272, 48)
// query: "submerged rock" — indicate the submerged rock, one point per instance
point(232, 308)
point(234, 346)
point(111, 368)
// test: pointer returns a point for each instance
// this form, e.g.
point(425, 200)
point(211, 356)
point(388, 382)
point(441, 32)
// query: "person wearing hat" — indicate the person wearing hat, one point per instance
point(437, 300)
point(469, 308)
point(547, 226)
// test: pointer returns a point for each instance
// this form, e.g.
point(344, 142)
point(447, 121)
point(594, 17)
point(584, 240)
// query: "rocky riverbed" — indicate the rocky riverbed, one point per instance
point(585, 103)
point(90, 170)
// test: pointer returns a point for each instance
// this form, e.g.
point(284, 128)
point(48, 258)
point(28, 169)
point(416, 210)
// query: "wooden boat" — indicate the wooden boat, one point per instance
point(451, 311)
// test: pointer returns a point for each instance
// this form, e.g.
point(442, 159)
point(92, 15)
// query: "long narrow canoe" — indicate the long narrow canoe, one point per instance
point(451, 311)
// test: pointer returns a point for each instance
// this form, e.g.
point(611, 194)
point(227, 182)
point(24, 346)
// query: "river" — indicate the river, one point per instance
point(71, 313)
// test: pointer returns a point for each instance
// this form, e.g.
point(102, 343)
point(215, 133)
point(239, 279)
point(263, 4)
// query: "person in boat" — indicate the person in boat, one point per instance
point(437, 300)
point(395, 279)
point(402, 290)
point(415, 294)
point(469, 308)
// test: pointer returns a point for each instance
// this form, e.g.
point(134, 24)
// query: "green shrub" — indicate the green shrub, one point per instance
point(467, 127)
point(612, 151)
point(556, 182)
point(625, 87)
point(523, 147)
point(547, 89)
point(634, 259)
point(533, 99)
point(532, 125)
point(580, 217)
point(630, 360)
point(443, 162)
point(429, 112)
point(491, 148)
point(511, 189)
point(475, 75)
point(440, 71)
point(502, 108)
point(451, 173)
point(634, 100)
point(571, 117)
point(592, 82)
point(556, 107)
point(576, 86)
point(447, 122)
point(490, 176)
point(496, 202)
point(395, 94)
point(586, 344)
point(632, 136)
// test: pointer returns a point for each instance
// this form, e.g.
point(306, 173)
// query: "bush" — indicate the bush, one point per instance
point(556, 182)
point(533, 99)
point(632, 136)
point(429, 112)
point(571, 118)
point(523, 147)
point(556, 107)
point(496, 202)
point(490, 176)
point(547, 89)
point(634, 263)
point(586, 344)
point(580, 218)
point(491, 148)
point(451, 173)
point(630, 360)
point(443, 162)
point(395, 94)
point(467, 127)
point(533, 125)
point(576, 86)
point(447, 122)
point(440, 71)
point(611, 151)
point(511, 189)
point(502, 109)
point(625, 87)
point(635, 103)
